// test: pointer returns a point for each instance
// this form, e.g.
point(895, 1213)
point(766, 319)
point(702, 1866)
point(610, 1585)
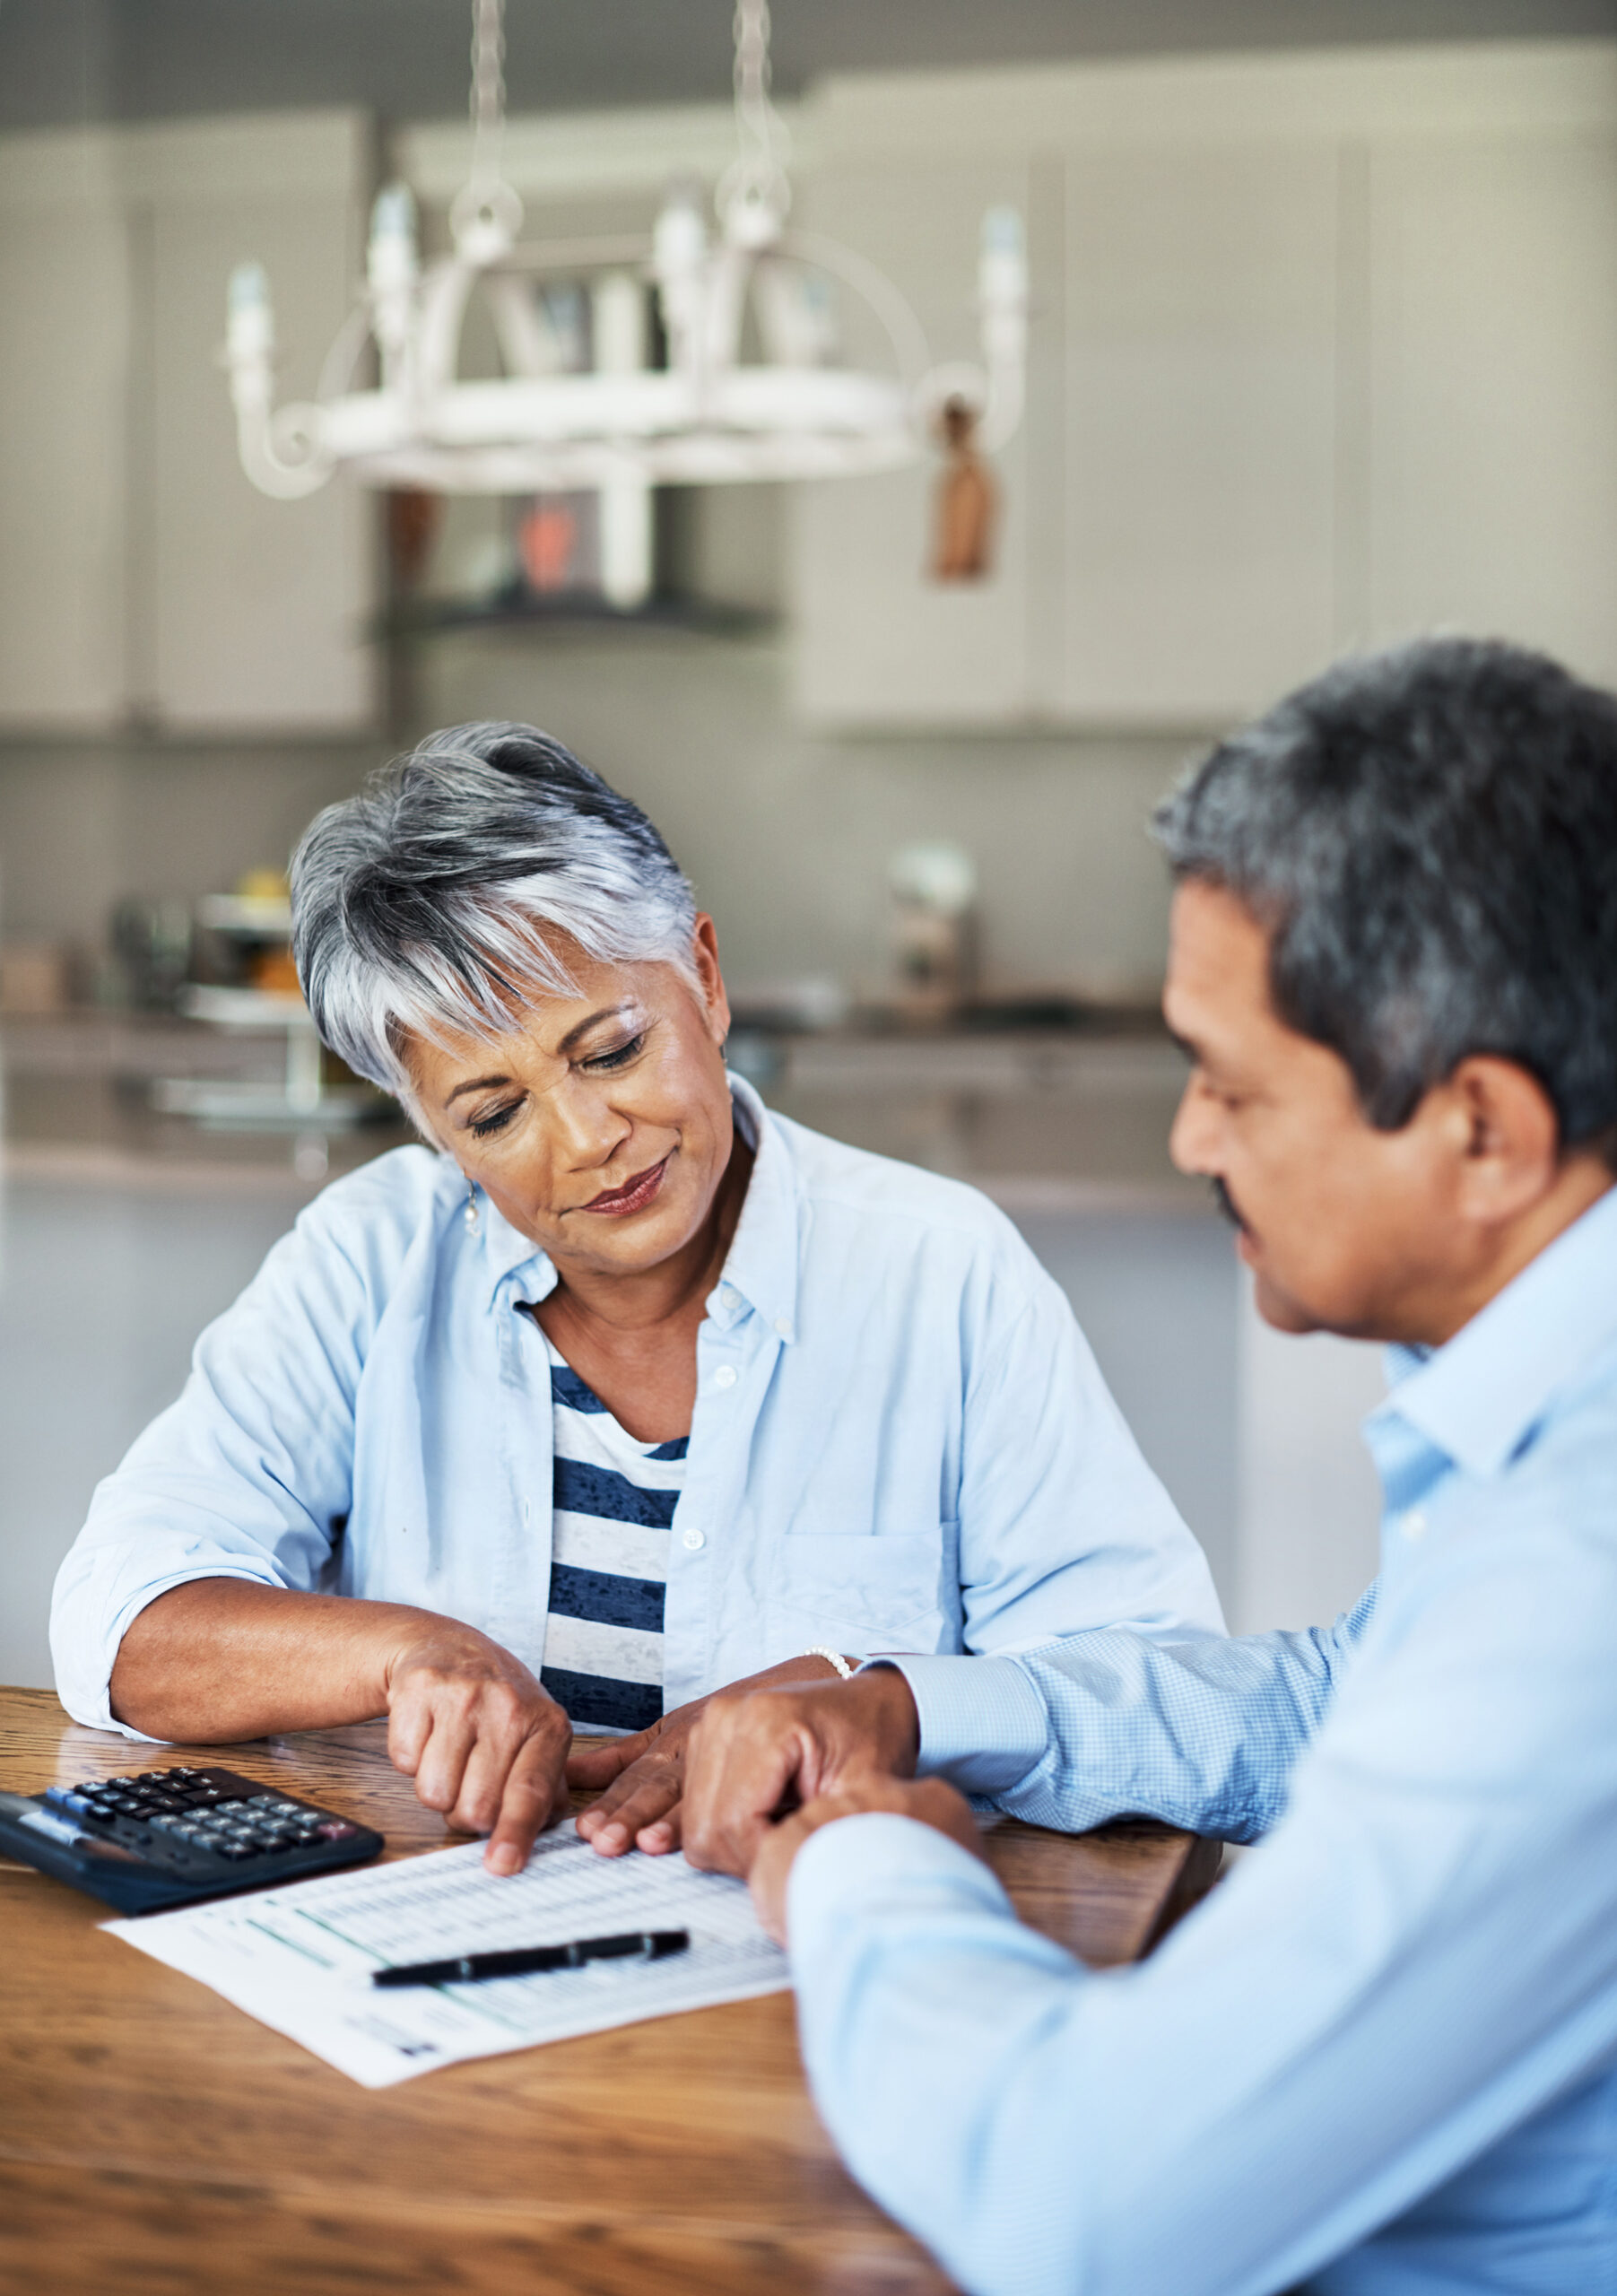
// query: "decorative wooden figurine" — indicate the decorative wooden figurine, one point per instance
point(967, 500)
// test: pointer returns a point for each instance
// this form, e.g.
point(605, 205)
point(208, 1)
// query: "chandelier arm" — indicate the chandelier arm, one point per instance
point(350, 340)
point(575, 257)
point(904, 331)
point(263, 439)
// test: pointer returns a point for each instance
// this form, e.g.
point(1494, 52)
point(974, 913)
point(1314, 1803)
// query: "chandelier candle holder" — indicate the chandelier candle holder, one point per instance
point(707, 418)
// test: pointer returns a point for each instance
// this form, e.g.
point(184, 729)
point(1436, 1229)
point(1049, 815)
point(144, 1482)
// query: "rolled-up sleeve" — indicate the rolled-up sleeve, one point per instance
point(247, 1476)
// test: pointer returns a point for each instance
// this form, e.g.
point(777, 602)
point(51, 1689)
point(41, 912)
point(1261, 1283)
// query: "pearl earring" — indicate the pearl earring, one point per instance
point(473, 1224)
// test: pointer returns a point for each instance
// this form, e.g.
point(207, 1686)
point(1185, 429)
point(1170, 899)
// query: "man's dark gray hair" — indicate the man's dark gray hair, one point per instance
point(1429, 837)
point(432, 901)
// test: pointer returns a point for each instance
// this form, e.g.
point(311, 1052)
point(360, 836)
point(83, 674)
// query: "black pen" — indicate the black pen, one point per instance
point(467, 1968)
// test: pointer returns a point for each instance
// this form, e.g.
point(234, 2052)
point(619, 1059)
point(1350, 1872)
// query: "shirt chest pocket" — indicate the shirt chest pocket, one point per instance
point(858, 1593)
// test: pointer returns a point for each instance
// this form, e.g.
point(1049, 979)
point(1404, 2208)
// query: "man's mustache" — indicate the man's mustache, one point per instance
point(1226, 1203)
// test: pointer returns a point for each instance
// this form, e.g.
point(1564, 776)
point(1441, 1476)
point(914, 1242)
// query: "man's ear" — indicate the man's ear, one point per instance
point(704, 951)
point(1508, 1134)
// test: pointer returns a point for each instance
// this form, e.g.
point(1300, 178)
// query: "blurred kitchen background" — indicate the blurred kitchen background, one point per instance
point(1321, 350)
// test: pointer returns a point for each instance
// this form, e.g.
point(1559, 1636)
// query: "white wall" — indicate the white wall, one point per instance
point(1308, 1504)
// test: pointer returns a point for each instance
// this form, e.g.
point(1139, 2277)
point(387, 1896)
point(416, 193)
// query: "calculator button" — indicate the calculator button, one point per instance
point(264, 1802)
point(336, 1830)
point(234, 1848)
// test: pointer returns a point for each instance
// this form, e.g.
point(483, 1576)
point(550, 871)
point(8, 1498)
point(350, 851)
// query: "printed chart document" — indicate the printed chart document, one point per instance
point(299, 1958)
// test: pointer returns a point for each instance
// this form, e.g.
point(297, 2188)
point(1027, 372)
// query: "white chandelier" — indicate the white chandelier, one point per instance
point(707, 417)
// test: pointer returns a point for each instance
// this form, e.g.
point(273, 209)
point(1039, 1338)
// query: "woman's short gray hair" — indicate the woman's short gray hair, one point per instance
point(429, 903)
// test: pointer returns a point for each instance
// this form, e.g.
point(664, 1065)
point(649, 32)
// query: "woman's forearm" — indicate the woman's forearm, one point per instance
point(220, 1659)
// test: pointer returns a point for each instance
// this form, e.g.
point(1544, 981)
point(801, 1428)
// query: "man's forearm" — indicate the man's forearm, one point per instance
point(1201, 1733)
point(220, 1660)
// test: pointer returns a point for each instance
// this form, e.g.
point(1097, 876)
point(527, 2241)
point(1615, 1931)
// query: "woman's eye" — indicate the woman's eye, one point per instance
point(621, 1055)
point(495, 1121)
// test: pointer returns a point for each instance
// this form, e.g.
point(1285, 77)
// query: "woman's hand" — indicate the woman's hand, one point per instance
point(483, 1741)
point(644, 1777)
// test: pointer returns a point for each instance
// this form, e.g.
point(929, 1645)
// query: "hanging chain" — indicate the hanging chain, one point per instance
point(486, 213)
point(757, 177)
point(488, 90)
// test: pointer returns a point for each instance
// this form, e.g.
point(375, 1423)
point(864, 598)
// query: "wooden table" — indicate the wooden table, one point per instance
point(154, 2138)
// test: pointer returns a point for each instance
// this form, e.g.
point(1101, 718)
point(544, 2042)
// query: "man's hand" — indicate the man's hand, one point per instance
point(644, 1777)
point(484, 1743)
point(753, 1756)
point(930, 1801)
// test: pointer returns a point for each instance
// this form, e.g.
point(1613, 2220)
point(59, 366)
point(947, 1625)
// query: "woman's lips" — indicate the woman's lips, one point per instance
point(634, 1195)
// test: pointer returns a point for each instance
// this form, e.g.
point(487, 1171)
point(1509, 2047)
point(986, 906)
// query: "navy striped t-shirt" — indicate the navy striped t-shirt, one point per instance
point(612, 1504)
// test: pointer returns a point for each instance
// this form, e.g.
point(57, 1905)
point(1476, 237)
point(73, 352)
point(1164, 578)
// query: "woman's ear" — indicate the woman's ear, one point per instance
point(704, 951)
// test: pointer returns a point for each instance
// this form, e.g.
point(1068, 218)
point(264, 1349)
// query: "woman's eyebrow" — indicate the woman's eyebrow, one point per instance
point(583, 1028)
point(476, 1084)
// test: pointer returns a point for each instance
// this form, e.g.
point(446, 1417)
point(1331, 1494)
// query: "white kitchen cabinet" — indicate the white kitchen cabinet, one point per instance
point(1492, 503)
point(142, 577)
point(1200, 445)
point(63, 351)
point(879, 642)
point(1324, 354)
point(258, 609)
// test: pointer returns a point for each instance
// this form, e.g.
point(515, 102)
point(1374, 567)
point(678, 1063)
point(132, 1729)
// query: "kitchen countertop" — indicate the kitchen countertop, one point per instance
point(1042, 1120)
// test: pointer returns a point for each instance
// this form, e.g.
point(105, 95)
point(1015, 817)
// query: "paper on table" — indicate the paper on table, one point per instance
point(299, 1958)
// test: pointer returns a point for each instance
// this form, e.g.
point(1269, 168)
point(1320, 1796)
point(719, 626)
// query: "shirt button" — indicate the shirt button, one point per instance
point(1415, 1523)
point(725, 1377)
point(783, 1328)
point(693, 1540)
point(728, 1296)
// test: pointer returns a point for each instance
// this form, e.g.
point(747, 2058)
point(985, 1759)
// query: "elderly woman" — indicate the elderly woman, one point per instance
point(623, 1390)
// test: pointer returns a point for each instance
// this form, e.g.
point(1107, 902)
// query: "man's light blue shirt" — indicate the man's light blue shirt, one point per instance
point(1382, 2059)
point(901, 1441)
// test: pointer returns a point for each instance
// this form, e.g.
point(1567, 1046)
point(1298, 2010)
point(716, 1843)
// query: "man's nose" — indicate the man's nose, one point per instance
point(1190, 1140)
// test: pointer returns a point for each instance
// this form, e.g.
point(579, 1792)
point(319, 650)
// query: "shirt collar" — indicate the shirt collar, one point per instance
point(1480, 1394)
point(760, 1271)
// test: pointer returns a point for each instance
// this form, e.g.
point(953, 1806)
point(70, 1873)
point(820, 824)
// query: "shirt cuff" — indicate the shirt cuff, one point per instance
point(874, 1862)
point(983, 1725)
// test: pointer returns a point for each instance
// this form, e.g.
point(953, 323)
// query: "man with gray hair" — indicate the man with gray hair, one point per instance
point(1382, 2059)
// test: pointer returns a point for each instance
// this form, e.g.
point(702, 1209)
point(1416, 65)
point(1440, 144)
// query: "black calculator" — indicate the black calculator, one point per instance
point(169, 1837)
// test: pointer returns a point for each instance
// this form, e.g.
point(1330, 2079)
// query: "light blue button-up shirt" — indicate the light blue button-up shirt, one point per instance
point(900, 1443)
point(1382, 2059)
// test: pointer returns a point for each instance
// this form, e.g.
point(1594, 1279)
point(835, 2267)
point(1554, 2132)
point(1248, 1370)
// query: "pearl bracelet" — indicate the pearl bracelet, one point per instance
point(832, 1657)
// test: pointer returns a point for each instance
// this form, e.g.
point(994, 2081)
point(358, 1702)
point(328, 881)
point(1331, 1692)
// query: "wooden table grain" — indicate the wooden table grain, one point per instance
point(153, 2137)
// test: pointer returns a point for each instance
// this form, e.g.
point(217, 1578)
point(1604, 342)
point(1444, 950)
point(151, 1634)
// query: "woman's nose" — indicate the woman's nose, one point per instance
point(588, 1130)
